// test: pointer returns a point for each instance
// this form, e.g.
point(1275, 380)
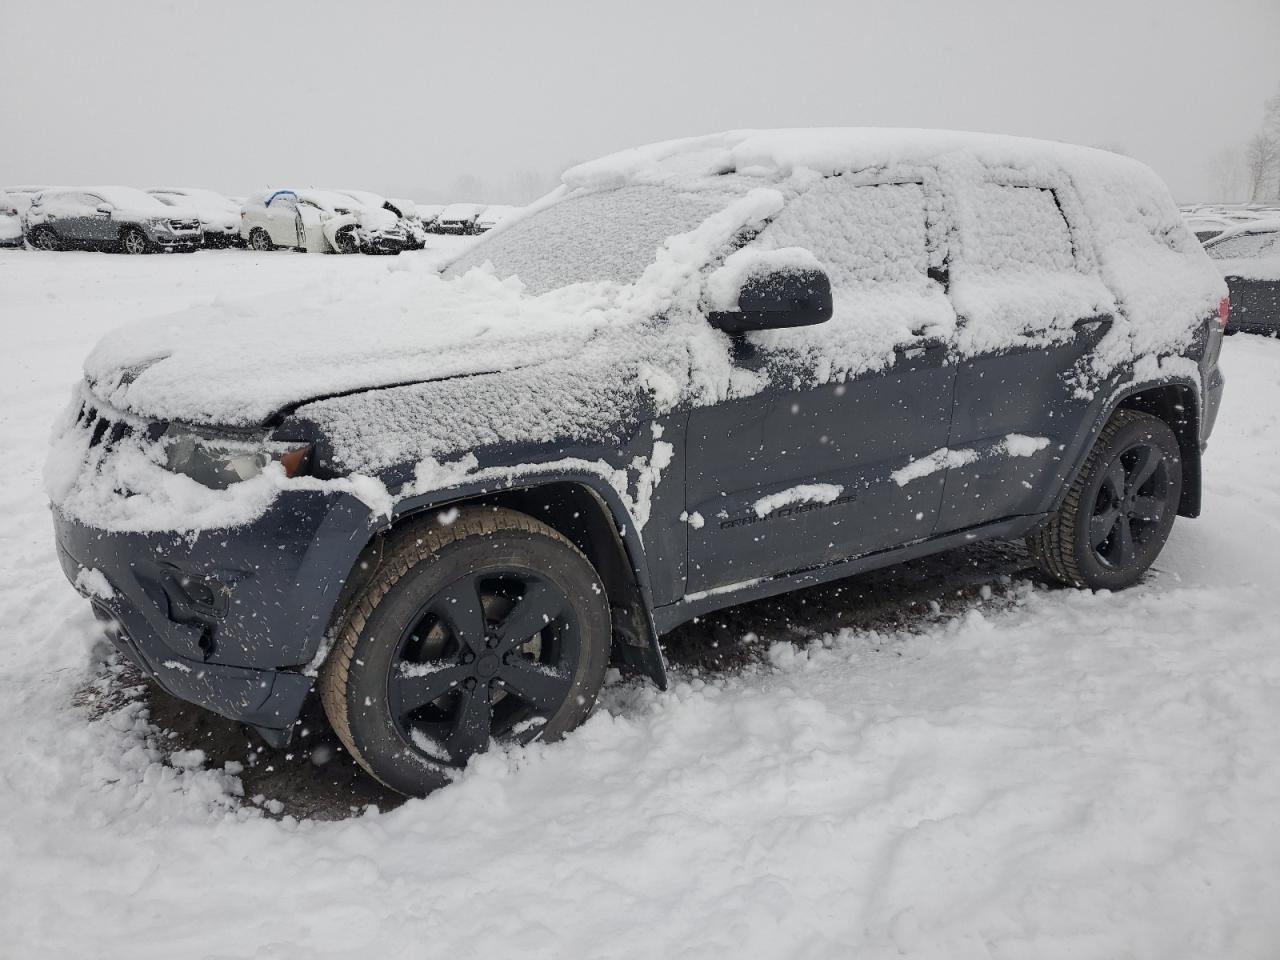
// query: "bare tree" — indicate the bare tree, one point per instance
point(1226, 169)
point(1262, 164)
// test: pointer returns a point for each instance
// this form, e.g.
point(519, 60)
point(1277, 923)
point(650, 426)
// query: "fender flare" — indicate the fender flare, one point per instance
point(611, 503)
point(1116, 399)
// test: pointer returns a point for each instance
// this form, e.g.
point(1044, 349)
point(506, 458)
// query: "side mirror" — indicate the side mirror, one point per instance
point(104, 208)
point(772, 289)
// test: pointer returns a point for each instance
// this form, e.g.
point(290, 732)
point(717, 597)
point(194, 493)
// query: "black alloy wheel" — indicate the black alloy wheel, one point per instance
point(1119, 511)
point(1131, 504)
point(492, 628)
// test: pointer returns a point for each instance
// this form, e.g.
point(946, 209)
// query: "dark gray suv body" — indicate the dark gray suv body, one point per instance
point(109, 218)
point(791, 357)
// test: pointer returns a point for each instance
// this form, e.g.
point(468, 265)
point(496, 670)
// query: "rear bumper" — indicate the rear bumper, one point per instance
point(227, 619)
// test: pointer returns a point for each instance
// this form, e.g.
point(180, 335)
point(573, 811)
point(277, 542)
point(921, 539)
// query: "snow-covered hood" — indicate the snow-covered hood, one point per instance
point(236, 363)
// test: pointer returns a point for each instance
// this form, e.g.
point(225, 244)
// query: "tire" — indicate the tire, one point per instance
point(345, 243)
point(1117, 514)
point(43, 238)
point(494, 626)
point(260, 240)
point(134, 242)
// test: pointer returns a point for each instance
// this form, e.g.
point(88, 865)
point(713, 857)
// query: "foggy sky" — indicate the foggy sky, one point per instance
point(407, 98)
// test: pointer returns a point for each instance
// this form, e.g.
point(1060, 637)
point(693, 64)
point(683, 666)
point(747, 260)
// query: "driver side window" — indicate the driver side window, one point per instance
point(873, 242)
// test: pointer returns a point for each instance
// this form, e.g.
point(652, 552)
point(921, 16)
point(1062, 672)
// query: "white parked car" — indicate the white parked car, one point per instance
point(318, 221)
point(10, 222)
point(405, 213)
point(428, 213)
point(219, 215)
point(492, 216)
point(458, 218)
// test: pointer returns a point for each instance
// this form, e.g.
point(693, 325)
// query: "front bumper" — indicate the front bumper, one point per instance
point(229, 618)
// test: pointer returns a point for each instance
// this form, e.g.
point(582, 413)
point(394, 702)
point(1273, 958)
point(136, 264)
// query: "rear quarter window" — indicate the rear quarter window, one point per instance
point(1016, 227)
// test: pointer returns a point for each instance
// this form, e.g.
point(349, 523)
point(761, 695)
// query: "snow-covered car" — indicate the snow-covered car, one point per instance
point(1249, 259)
point(108, 218)
point(404, 212)
point(493, 215)
point(219, 215)
point(699, 373)
point(319, 221)
point(458, 218)
point(10, 222)
point(428, 213)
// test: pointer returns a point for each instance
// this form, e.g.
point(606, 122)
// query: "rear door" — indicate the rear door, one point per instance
point(801, 473)
point(1030, 308)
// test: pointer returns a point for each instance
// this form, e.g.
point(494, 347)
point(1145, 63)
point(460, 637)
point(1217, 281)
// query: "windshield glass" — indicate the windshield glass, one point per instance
point(601, 236)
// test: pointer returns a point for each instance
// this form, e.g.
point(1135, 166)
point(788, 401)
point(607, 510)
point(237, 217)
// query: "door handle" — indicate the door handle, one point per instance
point(913, 351)
point(1091, 324)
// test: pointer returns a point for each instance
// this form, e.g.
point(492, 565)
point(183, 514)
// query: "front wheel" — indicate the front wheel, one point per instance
point(492, 628)
point(1117, 514)
point(133, 242)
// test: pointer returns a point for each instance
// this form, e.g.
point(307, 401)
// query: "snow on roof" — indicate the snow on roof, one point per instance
point(460, 211)
point(200, 198)
point(828, 151)
point(130, 198)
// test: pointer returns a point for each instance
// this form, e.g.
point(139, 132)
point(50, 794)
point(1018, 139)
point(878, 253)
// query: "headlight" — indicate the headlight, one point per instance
point(220, 463)
point(159, 224)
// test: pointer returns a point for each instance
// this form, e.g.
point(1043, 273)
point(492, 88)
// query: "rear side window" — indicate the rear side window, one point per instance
point(1249, 245)
point(1017, 228)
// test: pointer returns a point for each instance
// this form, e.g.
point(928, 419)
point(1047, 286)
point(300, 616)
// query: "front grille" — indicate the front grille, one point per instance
point(106, 432)
point(185, 224)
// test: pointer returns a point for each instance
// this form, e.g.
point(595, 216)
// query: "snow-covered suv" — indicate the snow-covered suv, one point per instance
point(698, 373)
point(109, 218)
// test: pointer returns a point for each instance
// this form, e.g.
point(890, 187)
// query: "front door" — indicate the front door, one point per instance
point(808, 470)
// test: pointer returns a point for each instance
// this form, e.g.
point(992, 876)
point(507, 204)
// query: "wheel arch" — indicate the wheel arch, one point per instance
point(1177, 404)
point(588, 512)
point(1176, 401)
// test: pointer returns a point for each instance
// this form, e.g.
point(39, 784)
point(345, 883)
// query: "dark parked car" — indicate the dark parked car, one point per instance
point(108, 218)
point(732, 366)
point(1249, 258)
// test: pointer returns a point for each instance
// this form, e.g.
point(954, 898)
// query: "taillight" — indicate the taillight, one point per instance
point(1224, 312)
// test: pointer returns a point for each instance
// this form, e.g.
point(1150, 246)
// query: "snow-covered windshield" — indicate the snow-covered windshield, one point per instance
point(611, 235)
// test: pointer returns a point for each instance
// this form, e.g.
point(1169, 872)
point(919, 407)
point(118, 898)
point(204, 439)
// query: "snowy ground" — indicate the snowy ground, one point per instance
point(1032, 773)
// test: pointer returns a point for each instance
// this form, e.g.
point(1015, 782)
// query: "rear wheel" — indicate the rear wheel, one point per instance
point(493, 628)
point(43, 238)
point(259, 239)
point(1118, 513)
point(134, 242)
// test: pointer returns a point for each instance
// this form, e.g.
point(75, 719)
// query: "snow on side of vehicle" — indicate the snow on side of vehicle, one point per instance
point(1248, 252)
point(801, 493)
